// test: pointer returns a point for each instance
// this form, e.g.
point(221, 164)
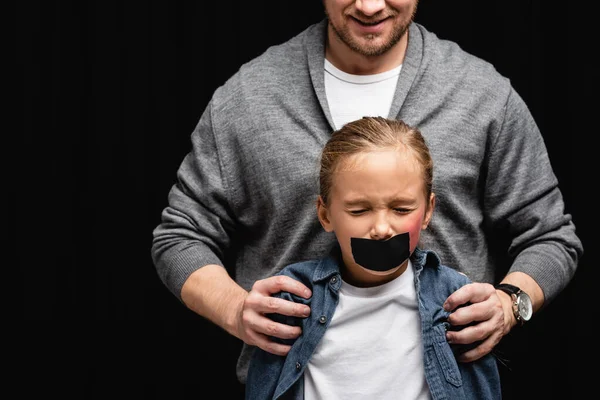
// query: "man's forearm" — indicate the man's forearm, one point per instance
point(211, 293)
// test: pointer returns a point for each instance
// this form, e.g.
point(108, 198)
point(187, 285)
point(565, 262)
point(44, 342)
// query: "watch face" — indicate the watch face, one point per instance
point(525, 307)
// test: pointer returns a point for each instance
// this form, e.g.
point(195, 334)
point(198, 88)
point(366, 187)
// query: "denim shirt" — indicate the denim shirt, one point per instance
point(282, 377)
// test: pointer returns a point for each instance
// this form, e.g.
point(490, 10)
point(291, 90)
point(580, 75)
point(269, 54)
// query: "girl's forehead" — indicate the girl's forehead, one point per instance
point(364, 159)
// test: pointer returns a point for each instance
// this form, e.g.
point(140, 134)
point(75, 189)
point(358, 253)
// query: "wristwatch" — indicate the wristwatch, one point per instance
point(522, 307)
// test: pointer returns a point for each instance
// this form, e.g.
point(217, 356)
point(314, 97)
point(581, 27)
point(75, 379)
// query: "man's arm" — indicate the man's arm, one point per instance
point(523, 203)
point(523, 200)
point(211, 293)
point(189, 244)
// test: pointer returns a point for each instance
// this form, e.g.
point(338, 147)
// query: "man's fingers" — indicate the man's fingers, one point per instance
point(281, 331)
point(284, 307)
point(489, 332)
point(273, 305)
point(470, 334)
point(257, 324)
point(483, 311)
point(282, 283)
point(264, 332)
point(485, 347)
point(270, 346)
point(469, 293)
point(261, 301)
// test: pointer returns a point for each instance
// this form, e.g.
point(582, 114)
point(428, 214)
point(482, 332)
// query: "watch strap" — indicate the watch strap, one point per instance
point(513, 291)
point(508, 288)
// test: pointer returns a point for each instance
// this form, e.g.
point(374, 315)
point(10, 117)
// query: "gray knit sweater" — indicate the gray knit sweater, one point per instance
point(245, 195)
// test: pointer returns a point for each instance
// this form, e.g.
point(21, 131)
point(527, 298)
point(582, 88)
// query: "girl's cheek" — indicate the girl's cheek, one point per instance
point(414, 230)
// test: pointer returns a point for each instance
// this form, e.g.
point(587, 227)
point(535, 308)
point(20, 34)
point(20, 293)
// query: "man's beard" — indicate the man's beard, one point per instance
point(371, 50)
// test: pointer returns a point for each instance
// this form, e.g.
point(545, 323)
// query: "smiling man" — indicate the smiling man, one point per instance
point(243, 204)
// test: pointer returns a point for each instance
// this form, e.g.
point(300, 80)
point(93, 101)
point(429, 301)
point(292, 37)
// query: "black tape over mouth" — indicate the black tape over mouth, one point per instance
point(381, 255)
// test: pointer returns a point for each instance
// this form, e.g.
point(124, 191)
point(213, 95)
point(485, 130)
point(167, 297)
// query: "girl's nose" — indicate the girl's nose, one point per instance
point(381, 229)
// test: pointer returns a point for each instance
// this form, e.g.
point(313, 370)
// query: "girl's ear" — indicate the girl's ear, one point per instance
point(323, 215)
point(429, 211)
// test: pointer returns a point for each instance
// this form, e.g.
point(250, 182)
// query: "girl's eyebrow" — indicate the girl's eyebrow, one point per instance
point(390, 201)
point(356, 202)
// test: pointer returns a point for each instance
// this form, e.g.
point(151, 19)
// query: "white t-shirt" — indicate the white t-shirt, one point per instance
point(372, 348)
point(351, 97)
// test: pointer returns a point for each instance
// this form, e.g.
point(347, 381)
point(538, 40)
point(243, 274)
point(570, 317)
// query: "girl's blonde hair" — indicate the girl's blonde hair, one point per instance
point(373, 134)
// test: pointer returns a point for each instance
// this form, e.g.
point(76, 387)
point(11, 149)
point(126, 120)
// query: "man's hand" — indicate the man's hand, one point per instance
point(254, 328)
point(490, 317)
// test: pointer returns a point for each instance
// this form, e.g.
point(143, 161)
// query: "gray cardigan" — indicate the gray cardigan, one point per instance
point(245, 194)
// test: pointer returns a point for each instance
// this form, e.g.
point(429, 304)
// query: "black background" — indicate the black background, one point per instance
point(109, 92)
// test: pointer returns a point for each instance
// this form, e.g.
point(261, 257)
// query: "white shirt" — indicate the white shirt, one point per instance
point(351, 97)
point(372, 348)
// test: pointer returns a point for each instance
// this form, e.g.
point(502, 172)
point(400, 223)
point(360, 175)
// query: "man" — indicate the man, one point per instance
point(243, 206)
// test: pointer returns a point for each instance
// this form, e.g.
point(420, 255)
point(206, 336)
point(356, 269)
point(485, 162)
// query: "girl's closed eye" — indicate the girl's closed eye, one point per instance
point(357, 211)
point(402, 210)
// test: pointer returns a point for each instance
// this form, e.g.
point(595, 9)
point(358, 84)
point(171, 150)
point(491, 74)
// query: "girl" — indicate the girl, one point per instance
point(377, 327)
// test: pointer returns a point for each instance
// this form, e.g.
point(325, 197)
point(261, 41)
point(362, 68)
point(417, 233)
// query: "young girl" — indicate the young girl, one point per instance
point(377, 328)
